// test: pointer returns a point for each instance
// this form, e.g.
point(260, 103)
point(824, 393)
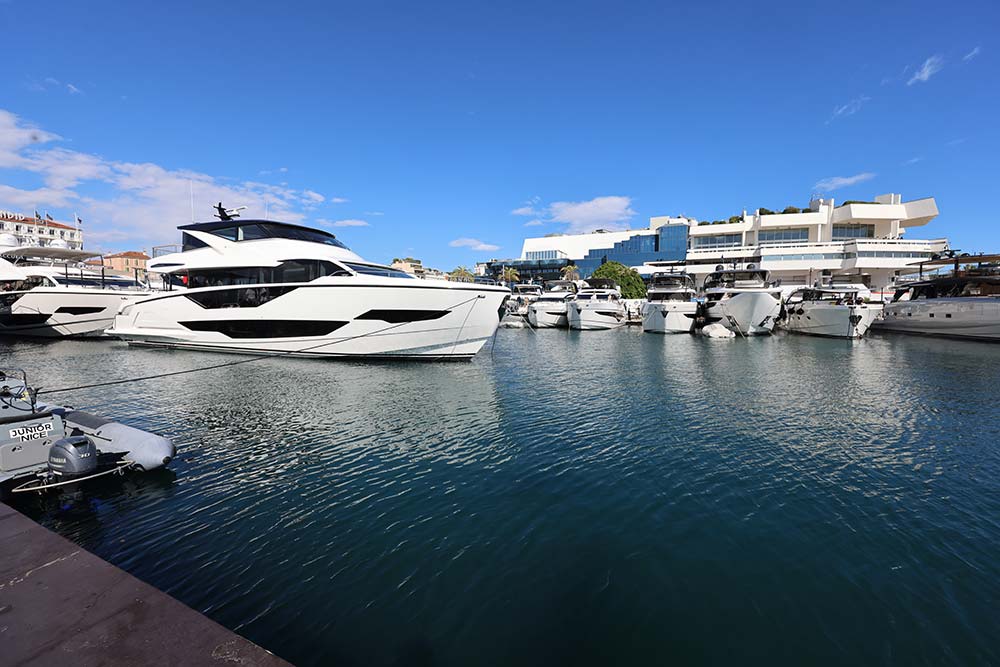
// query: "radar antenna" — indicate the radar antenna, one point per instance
point(223, 213)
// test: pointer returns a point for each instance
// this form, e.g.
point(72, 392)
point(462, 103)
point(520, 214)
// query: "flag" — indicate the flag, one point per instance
point(79, 221)
point(37, 216)
point(49, 217)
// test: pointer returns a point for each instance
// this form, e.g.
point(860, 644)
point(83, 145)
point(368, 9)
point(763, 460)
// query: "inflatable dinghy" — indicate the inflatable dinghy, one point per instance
point(44, 446)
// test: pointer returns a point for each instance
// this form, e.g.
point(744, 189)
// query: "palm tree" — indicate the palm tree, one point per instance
point(510, 275)
point(570, 272)
point(462, 274)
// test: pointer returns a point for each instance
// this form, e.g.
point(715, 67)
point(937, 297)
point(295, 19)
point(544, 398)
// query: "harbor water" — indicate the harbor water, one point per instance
point(570, 499)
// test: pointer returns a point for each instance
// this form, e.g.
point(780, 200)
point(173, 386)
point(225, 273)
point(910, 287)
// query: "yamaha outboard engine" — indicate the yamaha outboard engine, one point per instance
point(72, 457)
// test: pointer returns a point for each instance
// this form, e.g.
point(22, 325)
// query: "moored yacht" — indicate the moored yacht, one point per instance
point(549, 310)
point(829, 311)
point(670, 306)
point(266, 287)
point(965, 304)
point(745, 301)
point(522, 296)
point(56, 301)
point(597, 306)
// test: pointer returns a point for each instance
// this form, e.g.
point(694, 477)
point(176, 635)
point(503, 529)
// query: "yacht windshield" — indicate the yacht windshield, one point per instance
point(253, 231)
point(376, 270)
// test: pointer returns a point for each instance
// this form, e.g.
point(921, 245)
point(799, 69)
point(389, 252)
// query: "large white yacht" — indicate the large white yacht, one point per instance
point(260, 286)
point(830, 311)
point(549, 310)
point(670, 306)
point(597, 306)
point(745, 301)
point(42, 295)
point(965, 304)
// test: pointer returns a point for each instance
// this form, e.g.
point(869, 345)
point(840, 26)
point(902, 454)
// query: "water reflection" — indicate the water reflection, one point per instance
point(584, 497)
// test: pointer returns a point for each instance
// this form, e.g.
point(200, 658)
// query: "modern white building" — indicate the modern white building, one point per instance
point(32, 231)
point(855, 238)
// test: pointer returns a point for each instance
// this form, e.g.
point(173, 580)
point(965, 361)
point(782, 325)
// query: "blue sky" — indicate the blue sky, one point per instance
point(420, 128)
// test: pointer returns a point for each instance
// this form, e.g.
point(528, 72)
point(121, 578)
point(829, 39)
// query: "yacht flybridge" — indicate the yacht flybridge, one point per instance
point(39, 297)
point(266, 287)
point(670, 306)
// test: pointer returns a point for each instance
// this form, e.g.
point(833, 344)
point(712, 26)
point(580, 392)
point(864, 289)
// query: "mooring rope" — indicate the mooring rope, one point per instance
point(250, 359)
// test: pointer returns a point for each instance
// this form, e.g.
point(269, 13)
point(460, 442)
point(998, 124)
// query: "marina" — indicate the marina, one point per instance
point(598, 496)
point(477, 334)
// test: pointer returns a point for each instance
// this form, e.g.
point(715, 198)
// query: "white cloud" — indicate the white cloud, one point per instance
point(125, 203)
point(931, 66)
point(350, 222)
point(956, 142)
point(73, 90)
point(913, 160)
point(850, 108)
point(971, 54)
point(837, 182)
point(368, 212)
point(524, 210)
point(339, 200)
point(534, 223)
point(475, 244)
point(314, 197)
point(600, 212)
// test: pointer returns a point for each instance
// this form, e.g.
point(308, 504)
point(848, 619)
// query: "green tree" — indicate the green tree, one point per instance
point(629, 281)
point(570, 272)
point(509, 275)
point(461, 274)
point(792, 209)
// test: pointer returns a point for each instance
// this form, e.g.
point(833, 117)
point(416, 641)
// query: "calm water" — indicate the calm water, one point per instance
point(595, 498)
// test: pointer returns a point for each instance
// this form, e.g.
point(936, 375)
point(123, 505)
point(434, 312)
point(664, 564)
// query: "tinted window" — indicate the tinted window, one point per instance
point(374, 270)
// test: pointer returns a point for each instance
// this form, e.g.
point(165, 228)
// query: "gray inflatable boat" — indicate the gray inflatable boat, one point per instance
point(45, 446)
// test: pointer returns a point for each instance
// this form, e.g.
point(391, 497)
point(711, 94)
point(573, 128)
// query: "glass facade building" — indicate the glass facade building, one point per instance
point(669, 243)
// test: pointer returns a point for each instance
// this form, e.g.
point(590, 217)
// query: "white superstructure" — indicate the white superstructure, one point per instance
point(268, 287)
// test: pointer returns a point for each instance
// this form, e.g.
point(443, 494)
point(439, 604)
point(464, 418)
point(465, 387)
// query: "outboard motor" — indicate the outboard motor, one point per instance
point(72, 457)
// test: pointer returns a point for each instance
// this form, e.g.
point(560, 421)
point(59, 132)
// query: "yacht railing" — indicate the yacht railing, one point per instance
point(161, 250)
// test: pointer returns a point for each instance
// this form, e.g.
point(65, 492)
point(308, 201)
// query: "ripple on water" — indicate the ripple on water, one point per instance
point(594, 498)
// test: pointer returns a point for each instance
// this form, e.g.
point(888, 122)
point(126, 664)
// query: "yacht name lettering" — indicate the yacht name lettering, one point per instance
point(25, 433)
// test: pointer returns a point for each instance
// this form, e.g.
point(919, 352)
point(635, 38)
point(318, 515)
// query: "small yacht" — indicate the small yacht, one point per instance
point(745, 301)
point(598, 306)
point(267, 287)
point(670, 306)
point(965, 304)
point(549, 310)
point(829, 311)
point(522, 296)
point(51, 300)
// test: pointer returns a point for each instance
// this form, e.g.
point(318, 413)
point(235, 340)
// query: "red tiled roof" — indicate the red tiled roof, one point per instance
point(134, 254)
point(45, 223)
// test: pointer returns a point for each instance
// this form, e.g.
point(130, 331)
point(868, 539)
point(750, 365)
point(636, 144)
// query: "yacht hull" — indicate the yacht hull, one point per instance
point(831, 320)
point(593, 319)
point(669, 316)
point(47, 312)
point(974, 318)
point(548, 316)
point(321, 320)
point(747, 313)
